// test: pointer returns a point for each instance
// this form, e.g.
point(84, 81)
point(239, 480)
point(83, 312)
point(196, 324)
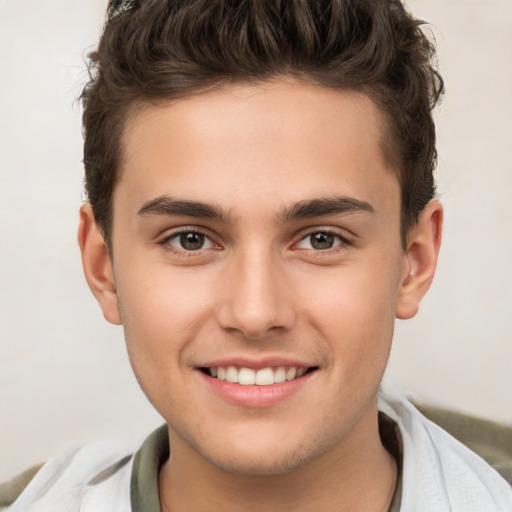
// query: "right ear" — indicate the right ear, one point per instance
point(97, 265)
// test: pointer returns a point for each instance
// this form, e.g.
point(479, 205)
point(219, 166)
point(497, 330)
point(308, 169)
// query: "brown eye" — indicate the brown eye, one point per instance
point(192, 241)
point(321, 241)
point(189, 241)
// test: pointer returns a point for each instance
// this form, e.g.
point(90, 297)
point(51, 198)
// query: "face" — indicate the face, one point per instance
point(258, 270)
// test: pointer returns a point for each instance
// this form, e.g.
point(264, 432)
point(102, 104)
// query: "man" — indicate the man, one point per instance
point(261, 208)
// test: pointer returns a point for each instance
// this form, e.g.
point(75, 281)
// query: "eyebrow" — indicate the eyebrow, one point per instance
point(168, 206)
point(325, 206)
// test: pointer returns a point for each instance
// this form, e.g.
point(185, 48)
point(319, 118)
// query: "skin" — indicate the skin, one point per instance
point(259, 287)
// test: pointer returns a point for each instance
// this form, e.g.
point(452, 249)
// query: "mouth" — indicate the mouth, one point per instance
point(262, 377)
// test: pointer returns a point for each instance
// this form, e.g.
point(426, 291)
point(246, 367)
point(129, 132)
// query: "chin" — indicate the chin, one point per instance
point(255, 460)
point(259, 465)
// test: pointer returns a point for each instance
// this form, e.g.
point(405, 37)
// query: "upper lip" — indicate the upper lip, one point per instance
point(257, 363)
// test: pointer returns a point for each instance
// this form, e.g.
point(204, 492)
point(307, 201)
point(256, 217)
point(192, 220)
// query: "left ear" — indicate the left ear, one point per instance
point(423, 243)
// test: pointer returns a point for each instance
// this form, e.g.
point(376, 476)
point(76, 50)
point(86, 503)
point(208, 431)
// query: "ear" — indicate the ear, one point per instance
point(423, 243)
point(97, 265)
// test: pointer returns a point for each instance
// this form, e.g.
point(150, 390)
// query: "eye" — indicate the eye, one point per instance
point(190, 241)
point(321, 241)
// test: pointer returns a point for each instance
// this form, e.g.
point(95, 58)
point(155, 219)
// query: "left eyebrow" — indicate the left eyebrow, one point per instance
point(325, 206)
point(168, 206)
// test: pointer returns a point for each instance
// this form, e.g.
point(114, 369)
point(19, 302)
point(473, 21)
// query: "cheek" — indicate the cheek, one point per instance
point(162, 299)
point(354, 307)
point(160, 322)
point(162, 313)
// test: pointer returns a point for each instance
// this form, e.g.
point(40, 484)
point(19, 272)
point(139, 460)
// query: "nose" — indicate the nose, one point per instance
point(255, 297)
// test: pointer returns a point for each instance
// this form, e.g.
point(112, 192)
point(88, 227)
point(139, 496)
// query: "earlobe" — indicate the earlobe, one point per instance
point(97, 265)
point(423, 245)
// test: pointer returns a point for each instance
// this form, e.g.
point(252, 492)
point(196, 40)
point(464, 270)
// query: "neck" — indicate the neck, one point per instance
point(358, 474)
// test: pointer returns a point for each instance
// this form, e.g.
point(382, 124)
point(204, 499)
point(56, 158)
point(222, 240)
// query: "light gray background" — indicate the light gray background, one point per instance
point(64, 374)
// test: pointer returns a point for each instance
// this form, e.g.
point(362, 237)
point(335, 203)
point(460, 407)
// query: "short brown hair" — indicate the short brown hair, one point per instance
point(166, 49)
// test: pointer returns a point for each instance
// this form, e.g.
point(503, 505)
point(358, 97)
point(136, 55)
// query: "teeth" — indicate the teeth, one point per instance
point(265, 377)
point(291, 373)
point(250, 377)
point(246, 377)
point(279, 375)
point(231, 374)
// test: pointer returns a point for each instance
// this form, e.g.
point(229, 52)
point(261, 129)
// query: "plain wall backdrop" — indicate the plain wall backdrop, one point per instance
point(64, 374)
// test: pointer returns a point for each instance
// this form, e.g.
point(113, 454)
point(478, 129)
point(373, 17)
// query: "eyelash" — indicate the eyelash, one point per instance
point(343, 242)
point(164, 242)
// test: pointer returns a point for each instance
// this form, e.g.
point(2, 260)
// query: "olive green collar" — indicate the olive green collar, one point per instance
point(146, 466)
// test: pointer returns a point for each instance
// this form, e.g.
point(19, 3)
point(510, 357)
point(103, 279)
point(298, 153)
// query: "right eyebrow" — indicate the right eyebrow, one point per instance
point(323, 207)
point(167, 206)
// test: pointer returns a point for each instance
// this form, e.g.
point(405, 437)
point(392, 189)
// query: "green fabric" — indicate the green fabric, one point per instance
point(492, 441)
point(146, 466)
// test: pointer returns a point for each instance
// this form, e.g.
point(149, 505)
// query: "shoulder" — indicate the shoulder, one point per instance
point(491, 441)
point(450, 460)
point(11, 490)
point(72, 478)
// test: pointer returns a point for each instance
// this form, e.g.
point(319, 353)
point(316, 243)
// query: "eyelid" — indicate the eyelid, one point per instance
point(343, 240)
point(311, 230)
point(176, 232)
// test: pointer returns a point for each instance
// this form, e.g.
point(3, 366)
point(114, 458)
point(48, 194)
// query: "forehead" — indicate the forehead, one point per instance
point(274, 142)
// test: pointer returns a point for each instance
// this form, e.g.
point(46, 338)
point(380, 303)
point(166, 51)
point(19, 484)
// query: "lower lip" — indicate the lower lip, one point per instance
point(256, 396)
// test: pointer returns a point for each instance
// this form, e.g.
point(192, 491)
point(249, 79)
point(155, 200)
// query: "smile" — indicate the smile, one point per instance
point(263, 377)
